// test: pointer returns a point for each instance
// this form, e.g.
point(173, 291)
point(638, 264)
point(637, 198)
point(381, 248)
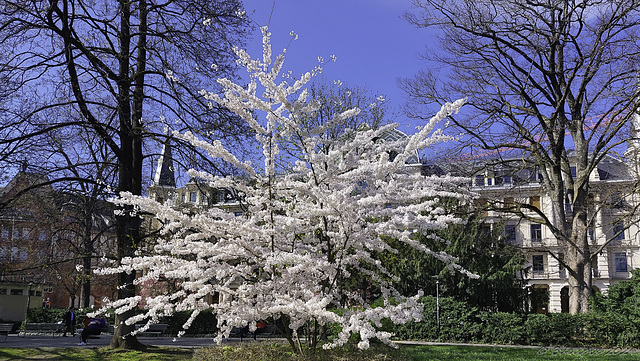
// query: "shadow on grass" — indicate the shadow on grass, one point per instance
point(95, 354)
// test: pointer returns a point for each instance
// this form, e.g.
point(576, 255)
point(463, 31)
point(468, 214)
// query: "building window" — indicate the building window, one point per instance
point(42, 236)
point(3, 291)
point(17, 292)
point(591, 234)
point(618, 231)
point(480, 180)
point(182, 197)
point(16, 233)
point(538, 263)
point(193, 197)
point(536, 233)
point(502, 179)
point(535, 201)
point(203, 198)
point(510, 233)
point(621, 262)
point(5, 233)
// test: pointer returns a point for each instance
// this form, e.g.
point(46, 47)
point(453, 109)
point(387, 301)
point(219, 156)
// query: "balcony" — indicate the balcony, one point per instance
point(540, 275)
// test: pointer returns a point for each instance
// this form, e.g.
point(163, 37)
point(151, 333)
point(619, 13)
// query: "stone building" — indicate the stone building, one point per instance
point(42, 243)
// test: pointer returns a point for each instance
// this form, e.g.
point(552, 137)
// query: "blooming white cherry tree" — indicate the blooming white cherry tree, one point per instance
point(313, 217)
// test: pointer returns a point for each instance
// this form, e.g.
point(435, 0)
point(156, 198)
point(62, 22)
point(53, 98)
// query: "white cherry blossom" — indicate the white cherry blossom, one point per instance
point(312, 218)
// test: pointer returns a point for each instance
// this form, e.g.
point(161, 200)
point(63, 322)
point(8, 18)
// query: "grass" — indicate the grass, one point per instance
point(275, 352)
point(464, 353)
point(95, 354)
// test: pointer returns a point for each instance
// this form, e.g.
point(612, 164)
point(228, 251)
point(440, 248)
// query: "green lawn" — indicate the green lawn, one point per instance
point(464, 353)
point(412, 353)
point(97, 354)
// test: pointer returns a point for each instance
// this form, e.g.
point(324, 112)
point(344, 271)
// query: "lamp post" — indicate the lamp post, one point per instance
point(437, 303)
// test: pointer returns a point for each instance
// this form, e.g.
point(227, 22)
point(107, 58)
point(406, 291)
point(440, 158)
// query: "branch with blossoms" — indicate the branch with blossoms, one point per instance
point(309, 224)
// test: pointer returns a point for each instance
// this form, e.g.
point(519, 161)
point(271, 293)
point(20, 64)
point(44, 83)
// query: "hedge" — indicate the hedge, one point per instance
point(461, 323)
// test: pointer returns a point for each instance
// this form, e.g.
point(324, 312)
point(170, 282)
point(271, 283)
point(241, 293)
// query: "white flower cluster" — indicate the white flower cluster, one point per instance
point(304, 231)
point(169, 75)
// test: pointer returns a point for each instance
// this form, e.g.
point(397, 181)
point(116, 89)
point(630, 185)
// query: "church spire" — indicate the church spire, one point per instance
point(164, 175)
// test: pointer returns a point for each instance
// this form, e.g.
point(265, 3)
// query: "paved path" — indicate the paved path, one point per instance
point(15, 341)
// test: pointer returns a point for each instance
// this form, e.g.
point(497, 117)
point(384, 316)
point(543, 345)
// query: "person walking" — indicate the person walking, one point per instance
point(69, 320)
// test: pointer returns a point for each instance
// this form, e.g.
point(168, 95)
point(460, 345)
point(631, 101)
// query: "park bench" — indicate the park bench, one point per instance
point(43, 327)
point(106, 330)
point(267, 331)
point(155, 329)
point(5, 328)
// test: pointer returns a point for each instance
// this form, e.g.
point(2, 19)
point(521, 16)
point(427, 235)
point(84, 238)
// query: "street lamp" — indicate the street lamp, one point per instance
point(437, 303)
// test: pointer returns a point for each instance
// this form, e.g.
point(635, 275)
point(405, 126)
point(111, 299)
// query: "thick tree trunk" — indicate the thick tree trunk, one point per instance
point(87, 245)
point(129, 180)
point(128, 236)
point(86, 282)
point(579, 282)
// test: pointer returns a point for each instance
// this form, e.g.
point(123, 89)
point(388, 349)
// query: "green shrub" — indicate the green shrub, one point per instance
point(55, 315)
point(281, 352)
point(566, 329)
point(458, 322)
point(502, 328)
point(204, 324)
point(538, 329)
point(615, 318)
point(48, 315)
point(611, 329)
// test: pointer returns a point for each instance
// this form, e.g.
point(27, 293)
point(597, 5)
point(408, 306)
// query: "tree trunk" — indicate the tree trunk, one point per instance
point(129, 180)
point(579, 282)
point(87, 245)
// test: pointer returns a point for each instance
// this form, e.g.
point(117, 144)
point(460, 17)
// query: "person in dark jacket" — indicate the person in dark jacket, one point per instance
point(69, 320)
point(93, 327)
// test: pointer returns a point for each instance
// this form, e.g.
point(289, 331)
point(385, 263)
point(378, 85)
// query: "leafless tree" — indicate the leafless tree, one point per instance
point(121, 71)
point(542, 77)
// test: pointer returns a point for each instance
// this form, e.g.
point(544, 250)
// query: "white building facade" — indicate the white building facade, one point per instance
point(613, 235)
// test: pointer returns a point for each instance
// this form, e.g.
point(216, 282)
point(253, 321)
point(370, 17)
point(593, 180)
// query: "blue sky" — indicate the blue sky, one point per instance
point(373, 44)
